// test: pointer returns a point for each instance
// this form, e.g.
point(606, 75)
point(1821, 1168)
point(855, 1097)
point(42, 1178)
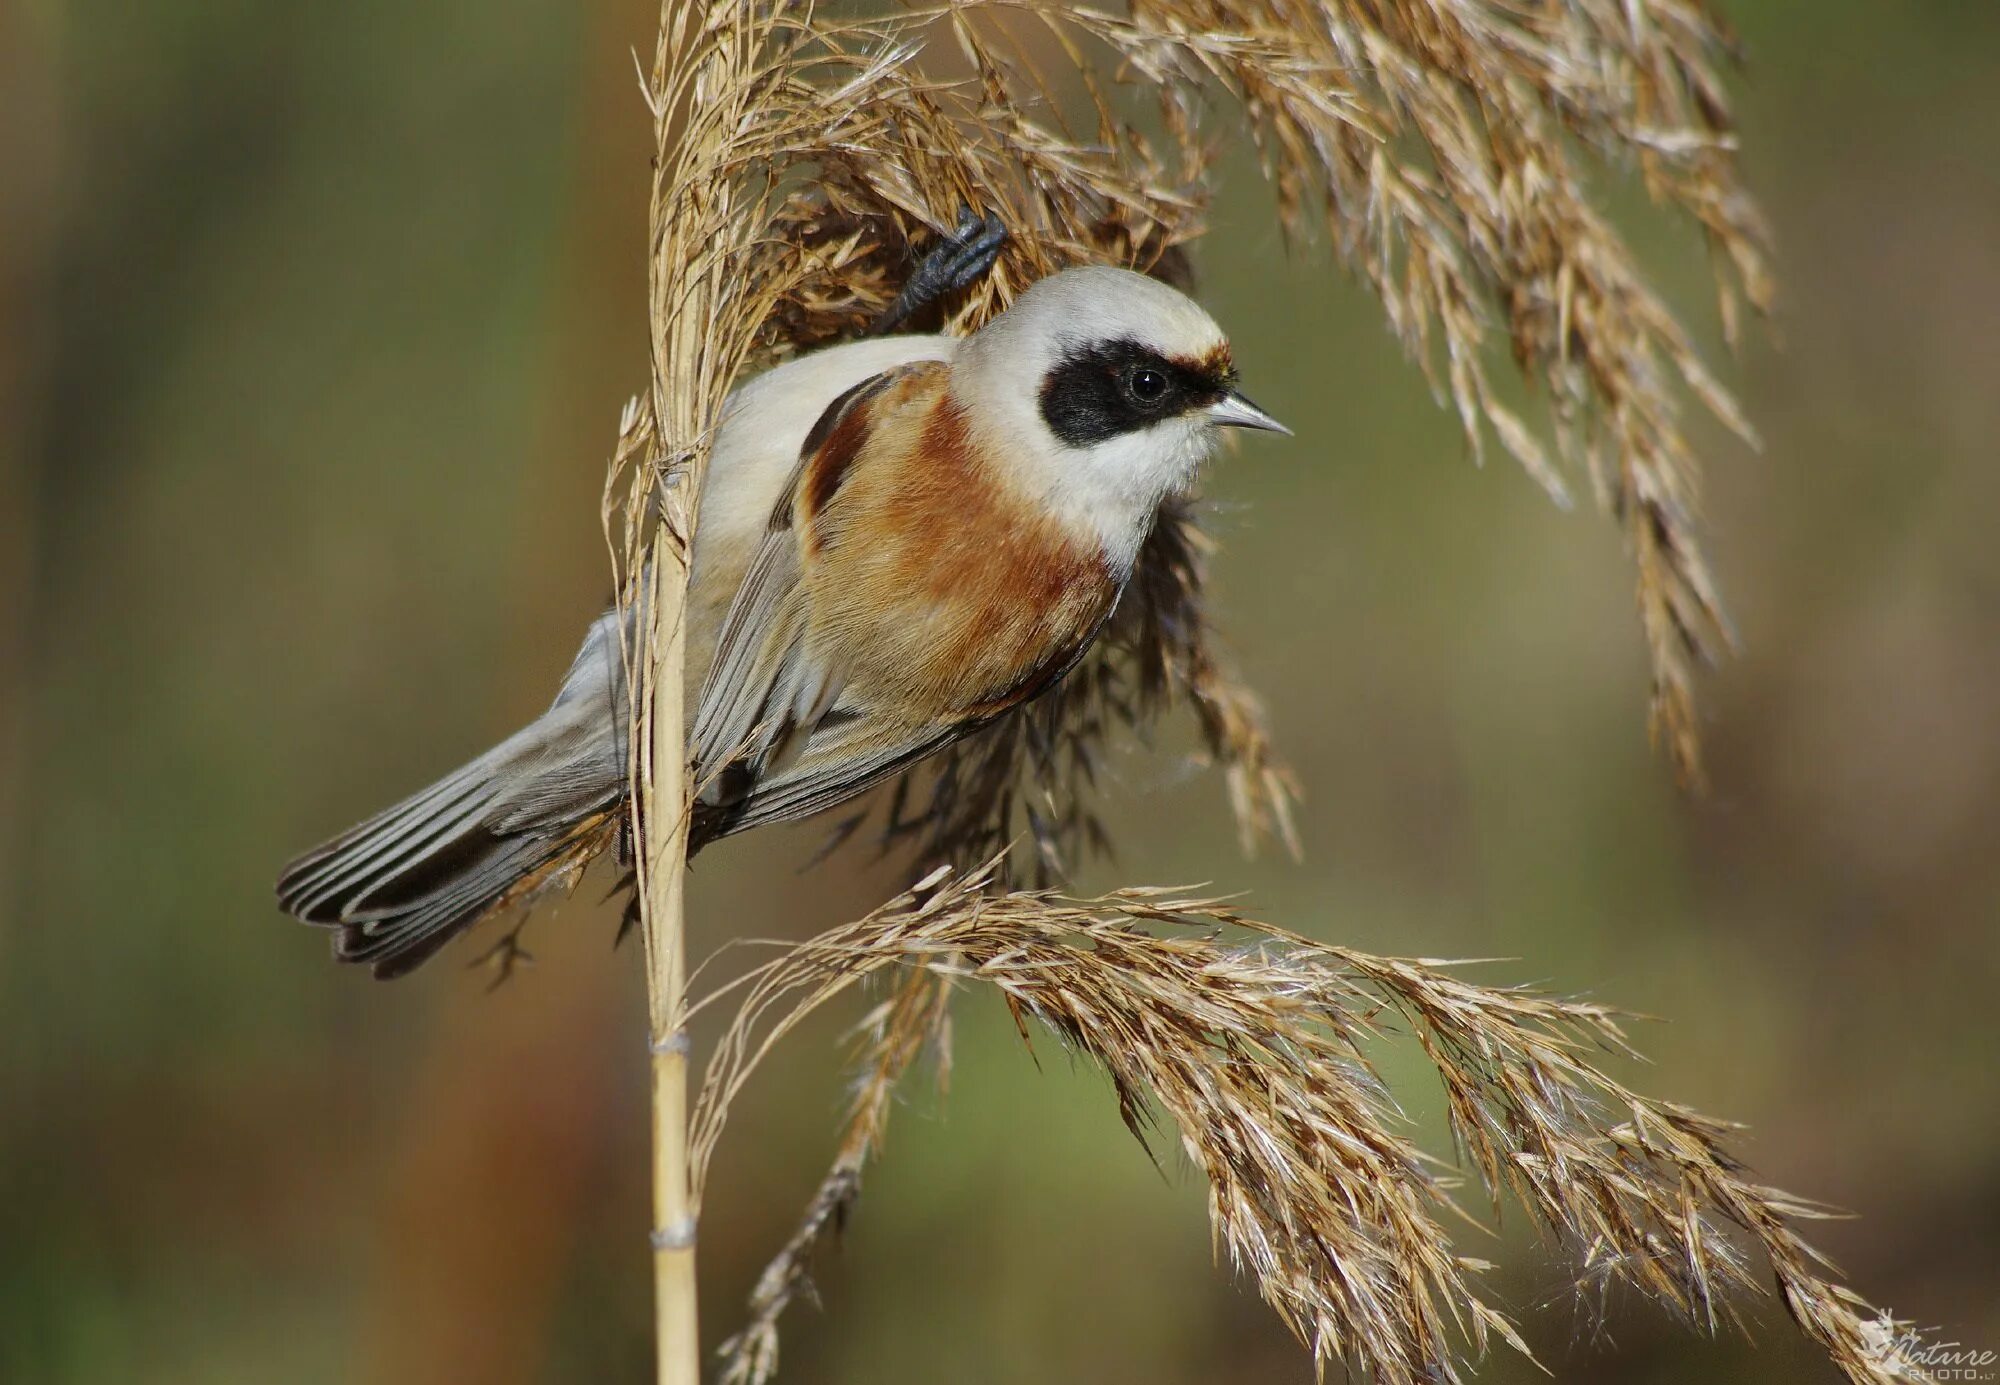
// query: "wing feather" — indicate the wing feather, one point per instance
point(756, 653)
point(847, 753)
point(836, 763)
point(766, 689)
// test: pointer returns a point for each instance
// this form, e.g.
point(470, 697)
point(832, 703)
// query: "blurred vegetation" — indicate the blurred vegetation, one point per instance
point(314, 328)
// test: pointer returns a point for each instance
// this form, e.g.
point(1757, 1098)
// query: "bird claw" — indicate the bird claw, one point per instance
point(961, 258)
point(506, 954)
point(628, 918)
point(970, 250)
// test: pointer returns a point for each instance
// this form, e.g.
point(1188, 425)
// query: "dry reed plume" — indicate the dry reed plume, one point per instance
point(1252, 1041)
point(1446, 147)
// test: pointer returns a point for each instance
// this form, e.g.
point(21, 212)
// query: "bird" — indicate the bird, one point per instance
point(901, 539)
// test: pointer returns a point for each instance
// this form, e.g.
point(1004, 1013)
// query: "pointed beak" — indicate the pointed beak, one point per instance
point(1234, 411)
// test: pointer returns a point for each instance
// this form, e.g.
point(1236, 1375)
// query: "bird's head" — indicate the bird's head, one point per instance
point(1106, 390)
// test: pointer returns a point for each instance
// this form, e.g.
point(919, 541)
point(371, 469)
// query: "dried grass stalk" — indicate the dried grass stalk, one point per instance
point(1252, 1043)
point(708, 70)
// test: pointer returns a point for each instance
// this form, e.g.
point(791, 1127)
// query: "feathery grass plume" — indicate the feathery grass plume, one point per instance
point(1251, 1042)
point(1445, 141)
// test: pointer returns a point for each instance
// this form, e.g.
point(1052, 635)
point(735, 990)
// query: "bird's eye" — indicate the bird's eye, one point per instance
point(1146, 385)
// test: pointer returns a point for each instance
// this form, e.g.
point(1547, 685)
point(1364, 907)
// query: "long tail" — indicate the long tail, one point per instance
point(405, 882)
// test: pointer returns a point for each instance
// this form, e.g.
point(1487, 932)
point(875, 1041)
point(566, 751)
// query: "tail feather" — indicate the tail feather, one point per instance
point(402, 884)
point(331, 884)
point(487, 872)
point(406, 881)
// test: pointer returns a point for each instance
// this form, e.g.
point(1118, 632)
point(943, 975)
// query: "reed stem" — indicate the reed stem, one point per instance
point(676, 1327)
point(703, 57)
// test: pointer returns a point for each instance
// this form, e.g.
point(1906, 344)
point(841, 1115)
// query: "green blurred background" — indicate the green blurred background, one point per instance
point(315, 322)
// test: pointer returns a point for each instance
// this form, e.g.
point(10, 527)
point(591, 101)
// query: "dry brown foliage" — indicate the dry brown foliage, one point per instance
point(1252, 1044)
point(1446, 148)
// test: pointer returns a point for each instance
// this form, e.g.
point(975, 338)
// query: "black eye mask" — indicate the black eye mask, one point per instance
point(1096, 392)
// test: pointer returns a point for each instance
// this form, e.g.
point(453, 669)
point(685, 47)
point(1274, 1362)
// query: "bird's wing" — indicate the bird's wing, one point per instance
point(846, 752)
point(766, 687)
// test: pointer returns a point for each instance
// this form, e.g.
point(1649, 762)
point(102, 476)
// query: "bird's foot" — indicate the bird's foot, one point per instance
point(960, 259)
point(505, 955)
